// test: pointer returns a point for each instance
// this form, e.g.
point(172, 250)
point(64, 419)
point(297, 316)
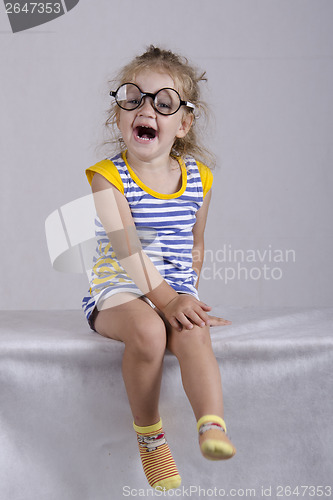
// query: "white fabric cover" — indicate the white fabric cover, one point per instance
point(66, 427)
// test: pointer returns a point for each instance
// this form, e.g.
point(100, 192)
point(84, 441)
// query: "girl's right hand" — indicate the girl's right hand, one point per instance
point(184, 311)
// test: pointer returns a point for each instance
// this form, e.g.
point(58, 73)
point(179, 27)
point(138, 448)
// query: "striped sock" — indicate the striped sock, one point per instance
point(157, 461)
point(216, 446)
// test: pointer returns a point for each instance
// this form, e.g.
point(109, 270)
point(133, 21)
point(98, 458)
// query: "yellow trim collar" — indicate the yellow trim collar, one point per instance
point(155, 193)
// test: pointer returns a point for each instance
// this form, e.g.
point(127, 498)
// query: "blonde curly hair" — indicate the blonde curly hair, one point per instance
point(187, 79)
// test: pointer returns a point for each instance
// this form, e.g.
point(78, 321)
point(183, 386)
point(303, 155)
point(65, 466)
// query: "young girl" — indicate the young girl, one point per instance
point(152, 201)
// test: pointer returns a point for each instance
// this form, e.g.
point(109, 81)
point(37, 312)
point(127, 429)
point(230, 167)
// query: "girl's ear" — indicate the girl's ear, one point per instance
point(185, 125)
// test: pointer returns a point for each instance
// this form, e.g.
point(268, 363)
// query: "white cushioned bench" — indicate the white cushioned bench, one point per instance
point(66, 427)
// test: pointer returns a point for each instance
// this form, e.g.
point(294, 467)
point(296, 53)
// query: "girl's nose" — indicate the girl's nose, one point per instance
point(147, 106)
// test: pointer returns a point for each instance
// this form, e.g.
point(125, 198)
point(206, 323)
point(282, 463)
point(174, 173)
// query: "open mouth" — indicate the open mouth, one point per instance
point(145, 133)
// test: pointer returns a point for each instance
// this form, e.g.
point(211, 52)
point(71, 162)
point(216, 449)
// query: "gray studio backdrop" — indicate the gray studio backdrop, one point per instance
point(270, 71)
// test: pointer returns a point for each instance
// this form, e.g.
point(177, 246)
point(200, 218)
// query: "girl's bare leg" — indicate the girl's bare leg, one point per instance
point(199, 368)
point(200, 375)
point(144, 334)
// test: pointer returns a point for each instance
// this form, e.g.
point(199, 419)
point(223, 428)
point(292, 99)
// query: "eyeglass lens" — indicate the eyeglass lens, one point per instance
point(166, 101)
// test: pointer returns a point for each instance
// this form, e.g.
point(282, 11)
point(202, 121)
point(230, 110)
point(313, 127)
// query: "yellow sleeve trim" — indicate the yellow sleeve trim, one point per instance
point(107, 169)
point(206, 177)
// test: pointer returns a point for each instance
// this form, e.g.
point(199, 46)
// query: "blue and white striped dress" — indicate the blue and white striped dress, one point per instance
point(164, 224)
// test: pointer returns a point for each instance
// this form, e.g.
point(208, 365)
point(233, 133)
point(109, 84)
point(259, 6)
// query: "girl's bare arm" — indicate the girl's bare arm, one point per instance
point(198, 251)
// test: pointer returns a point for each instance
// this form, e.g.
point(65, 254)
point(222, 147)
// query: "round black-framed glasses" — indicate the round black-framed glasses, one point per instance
point(166, 101)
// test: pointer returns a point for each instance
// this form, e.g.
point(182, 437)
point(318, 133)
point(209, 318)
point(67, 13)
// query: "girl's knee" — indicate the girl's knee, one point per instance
point(187, 341)
point(148, 338)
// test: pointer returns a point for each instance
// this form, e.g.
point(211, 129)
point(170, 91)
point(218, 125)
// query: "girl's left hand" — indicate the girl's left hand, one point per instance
point(215, 321)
